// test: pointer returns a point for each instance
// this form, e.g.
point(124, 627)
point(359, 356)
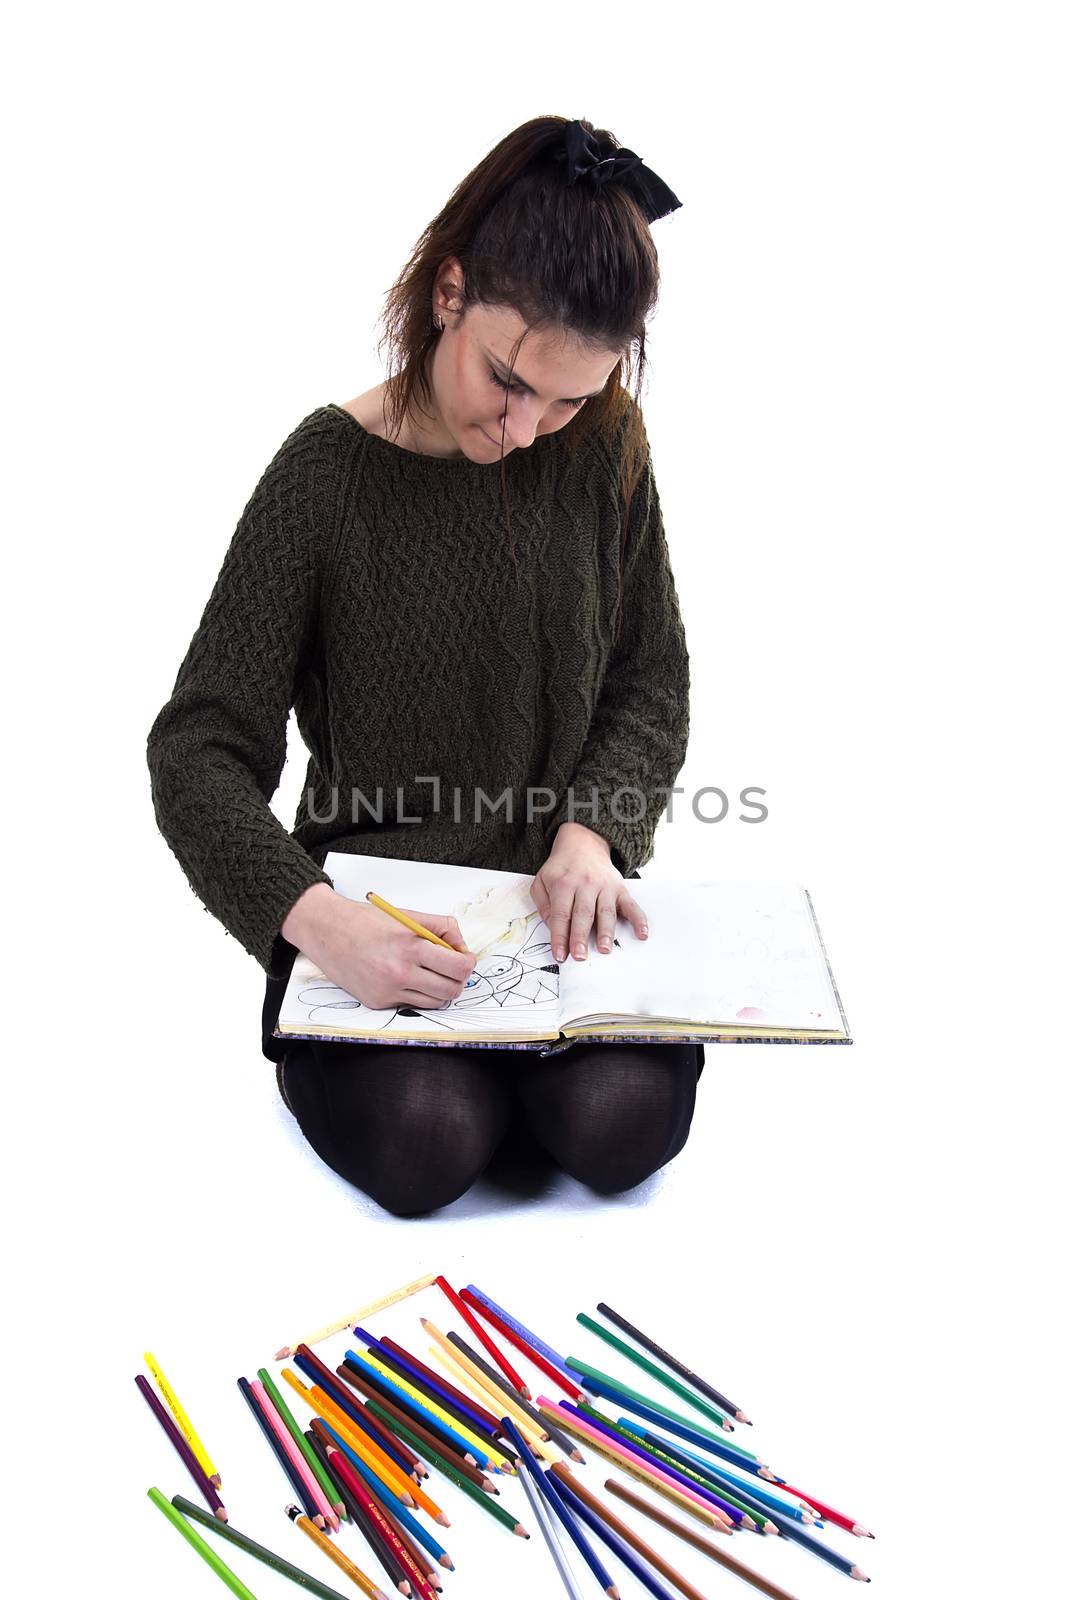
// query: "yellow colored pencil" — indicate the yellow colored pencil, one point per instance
point(409, 922)
point(497, 1457)
point(391, 1299)
point(337, 1556)
point(192, 1438)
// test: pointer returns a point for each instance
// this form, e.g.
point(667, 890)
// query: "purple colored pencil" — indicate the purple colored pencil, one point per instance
point(196, 1471)
point(543, 1349)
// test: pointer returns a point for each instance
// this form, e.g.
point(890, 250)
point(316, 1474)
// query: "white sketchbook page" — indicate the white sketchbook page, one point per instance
point(726, 953)
point(514, 988)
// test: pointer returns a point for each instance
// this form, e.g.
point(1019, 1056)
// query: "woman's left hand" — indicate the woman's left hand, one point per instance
point(578, 886)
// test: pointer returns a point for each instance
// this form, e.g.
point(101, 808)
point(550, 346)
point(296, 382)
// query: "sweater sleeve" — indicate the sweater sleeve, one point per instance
point(640, 728)
point(217, 748)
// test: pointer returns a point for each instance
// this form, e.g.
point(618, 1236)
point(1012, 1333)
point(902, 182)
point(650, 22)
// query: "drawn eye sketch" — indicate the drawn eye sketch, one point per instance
point(529, 977)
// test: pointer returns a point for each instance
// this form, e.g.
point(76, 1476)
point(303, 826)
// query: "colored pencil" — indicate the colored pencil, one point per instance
point(461, 1416)
point(539, 1507)
point(338, 1557)
point(370, 1530)
point(485, 1417)
point(535, 1437)
point(476, 1493)
point(268, 1557)
point(624, 1457)
point(752, 1514)
point(391, 1299)
point(550, 1370)
point(388, 1501)
point(544, 1484)
point(553, 1357)
point(359, 1489)
point(406, 1427)
point(279, 1454)
point(482, 1337)
point(667, 1379)
point(331, 1401)
point(442, 1457)
point(617, 1546)
point(678, 1471)
point(192, 1438)
point(672, 1361)
point(723, 1557)
point(296, 1458)
point(336, 1385)
point(405, 1489)
point(671, 1422)
point(476, 1442)
point(728, 1481)
point(808, 1541)
point(200, 1545)
point(362, 1372)
point(593, 1374)
point(326, 1484)
point(557, 1434)
point(839, 1517)
point(597, 1509)
point(315, 1445)
point(433, 1387)
point(195, 1470)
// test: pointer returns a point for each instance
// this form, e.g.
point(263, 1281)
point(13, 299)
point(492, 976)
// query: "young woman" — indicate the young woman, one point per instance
point(448, 628)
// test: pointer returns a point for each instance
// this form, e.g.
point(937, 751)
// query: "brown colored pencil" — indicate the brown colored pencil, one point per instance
point(723, 1557)
point(626, 1533)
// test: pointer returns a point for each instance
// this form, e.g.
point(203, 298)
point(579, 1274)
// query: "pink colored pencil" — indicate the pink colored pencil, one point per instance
point(285, 1439)
point(588, 1426)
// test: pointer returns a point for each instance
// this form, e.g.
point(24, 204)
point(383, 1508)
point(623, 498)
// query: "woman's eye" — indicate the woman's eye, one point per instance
point(502, 383)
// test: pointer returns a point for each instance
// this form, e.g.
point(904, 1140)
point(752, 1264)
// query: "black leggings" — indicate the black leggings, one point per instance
point(414, 1128)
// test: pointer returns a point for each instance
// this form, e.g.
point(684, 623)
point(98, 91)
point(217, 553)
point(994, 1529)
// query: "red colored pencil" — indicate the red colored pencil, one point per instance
point(360, 1493)
point(483, 1338)
point(829, 1513)
point(528, 1351)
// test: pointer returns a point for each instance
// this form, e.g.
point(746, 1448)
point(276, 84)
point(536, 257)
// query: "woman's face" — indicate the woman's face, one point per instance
point(469, 373)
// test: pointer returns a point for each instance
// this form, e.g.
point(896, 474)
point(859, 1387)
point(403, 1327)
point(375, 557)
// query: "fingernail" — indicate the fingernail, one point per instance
point(579, 949)
point(605, 944)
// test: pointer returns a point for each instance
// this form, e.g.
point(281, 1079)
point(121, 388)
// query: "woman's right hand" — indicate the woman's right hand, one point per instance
point(373, 957)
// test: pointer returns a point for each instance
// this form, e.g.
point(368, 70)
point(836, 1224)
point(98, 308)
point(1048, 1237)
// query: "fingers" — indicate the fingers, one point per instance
point(628, 907)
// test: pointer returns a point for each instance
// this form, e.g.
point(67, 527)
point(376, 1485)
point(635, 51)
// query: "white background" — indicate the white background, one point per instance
point(856, 411)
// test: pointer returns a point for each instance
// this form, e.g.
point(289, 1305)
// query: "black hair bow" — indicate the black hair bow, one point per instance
point(582, 153)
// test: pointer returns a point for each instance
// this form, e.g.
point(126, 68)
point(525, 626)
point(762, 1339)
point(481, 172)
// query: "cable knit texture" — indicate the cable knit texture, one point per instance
point(378, 592)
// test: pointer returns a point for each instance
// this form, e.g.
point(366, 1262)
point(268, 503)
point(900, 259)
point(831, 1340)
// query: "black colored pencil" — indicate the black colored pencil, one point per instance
point(675, 1365)
point(295, 1481)
point(313, 1585)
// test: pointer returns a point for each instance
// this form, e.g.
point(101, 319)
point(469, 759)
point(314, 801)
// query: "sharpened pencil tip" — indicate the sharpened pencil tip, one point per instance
point(216, 1480)
point(446, 1561)
point(521, 1531)
point(770, 1527)
point(442, 1519)
point(222, 1514)
point(739, 1416)
point(862, 1576)
point(283, 1354)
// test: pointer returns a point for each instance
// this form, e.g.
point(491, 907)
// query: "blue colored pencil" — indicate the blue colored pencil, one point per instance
point(617, 1546)
point(543, 1482)
point(543, 1349)
point(396, 1507)
point(762, 1496)
point(346, 1401)
point(686, 1479)
point(695, 1436)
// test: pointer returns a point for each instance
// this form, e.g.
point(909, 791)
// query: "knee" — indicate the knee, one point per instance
point(615, 1141)
point(412, 1189)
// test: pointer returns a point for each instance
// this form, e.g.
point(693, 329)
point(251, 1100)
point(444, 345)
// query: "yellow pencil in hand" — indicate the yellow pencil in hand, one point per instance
point(409, 922)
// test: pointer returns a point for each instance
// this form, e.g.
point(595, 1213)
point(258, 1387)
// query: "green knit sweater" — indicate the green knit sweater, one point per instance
point(375, 591)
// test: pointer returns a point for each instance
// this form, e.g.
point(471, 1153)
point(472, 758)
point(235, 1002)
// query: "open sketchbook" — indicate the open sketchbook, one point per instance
point(725, 962)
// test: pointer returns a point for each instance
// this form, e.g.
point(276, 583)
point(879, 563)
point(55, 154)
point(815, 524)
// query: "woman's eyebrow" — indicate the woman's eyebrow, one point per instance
point(522, 384)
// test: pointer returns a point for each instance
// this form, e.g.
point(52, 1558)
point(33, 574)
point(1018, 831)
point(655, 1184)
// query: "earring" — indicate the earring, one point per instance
point(439, 324)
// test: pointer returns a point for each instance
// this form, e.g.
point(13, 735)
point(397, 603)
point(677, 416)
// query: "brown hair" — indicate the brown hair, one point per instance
point(567, 259)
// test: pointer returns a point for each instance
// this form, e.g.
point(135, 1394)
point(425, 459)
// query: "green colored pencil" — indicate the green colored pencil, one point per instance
point(325, 1482)
point(759, 1518)
point(479, 1496)
point(261, 1553)
point(202, 1548)
point(668, 1380)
